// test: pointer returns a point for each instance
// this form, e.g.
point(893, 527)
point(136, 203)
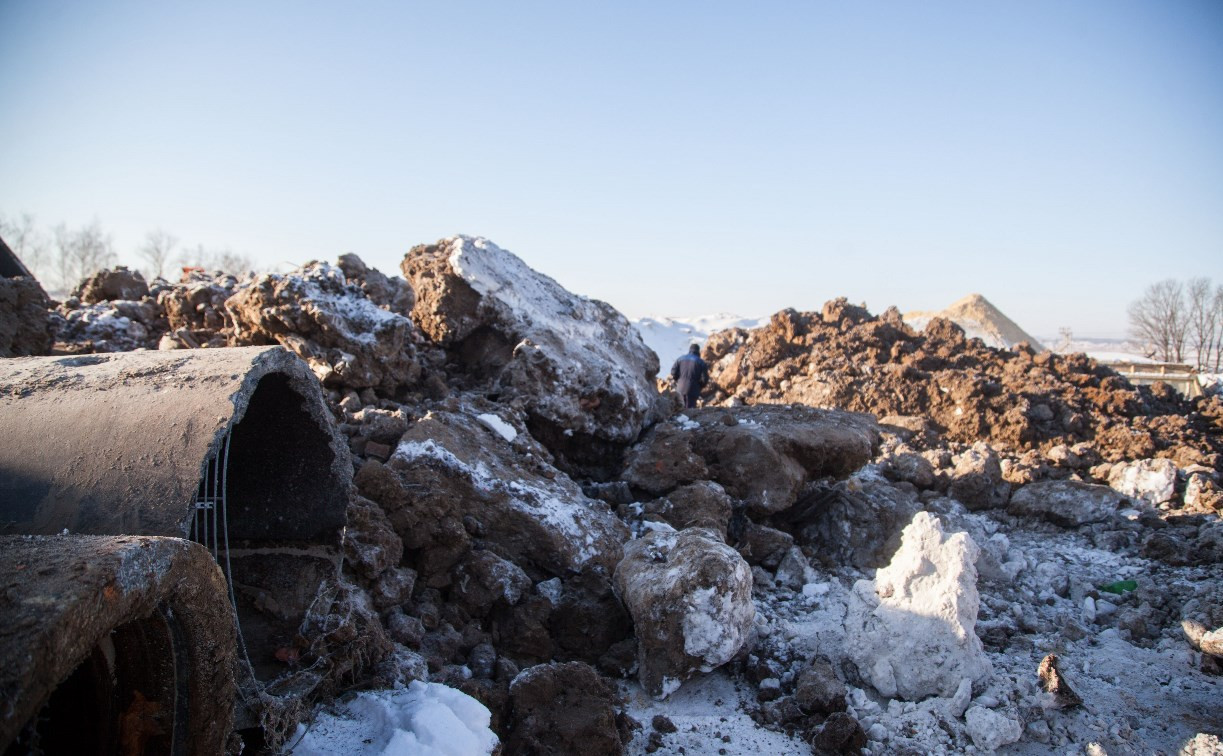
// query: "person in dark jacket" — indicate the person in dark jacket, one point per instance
point(690, 374)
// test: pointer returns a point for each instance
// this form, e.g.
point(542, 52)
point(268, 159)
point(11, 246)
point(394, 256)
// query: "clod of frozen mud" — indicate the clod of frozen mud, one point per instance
point(818, 689)
point(705, 504)
point(195, 310)
point(563, 708)
point(454, 481)
point(977, 478)
point(911, 630)
point(764, 457)
point(111, 284)
point(690, 597)
point(27, 327)
point(856, 522)
point(1053, 683)
point(579, 366)
point(345, 338)
point(388, 292)
point(1068, 503)
point(841, 734)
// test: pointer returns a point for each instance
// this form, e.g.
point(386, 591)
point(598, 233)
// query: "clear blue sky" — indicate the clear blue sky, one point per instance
point(670, 158)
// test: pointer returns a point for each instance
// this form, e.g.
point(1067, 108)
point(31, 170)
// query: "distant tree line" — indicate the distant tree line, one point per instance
point(61, 256)
point(1181, 322)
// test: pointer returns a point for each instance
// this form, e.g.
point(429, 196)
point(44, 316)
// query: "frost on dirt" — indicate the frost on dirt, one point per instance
point(573, 521)
point(581, 361)
point(707, 635)
point(424, 719)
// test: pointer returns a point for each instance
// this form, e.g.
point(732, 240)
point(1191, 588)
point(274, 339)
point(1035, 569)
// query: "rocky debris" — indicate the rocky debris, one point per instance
point(1067, 503)
point(976, 479)
point(1014, 399)
point(911, 631)
point(346, 339)
point(195, 310)
point(840, 734)
point(563, 708)
point(112, 284)
point(27, 327)
point(1053, 683)
point(690, 597)
point(471, 555)
point(391, 293)
point(760, 455)
point(578, 367)
point(109, 326)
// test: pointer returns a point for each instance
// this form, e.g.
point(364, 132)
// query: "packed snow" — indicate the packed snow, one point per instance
point(423, 719)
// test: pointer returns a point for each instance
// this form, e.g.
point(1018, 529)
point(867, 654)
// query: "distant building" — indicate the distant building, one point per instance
point(1181, 377)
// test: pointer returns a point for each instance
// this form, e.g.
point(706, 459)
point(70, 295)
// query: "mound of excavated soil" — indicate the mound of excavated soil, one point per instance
point(1016, 399)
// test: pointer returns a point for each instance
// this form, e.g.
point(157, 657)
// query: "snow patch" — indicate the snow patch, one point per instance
point(498, 426)
point(424, 719)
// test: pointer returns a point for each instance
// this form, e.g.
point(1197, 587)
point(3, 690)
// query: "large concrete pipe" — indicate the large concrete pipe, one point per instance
point(232, 448)
point(114, 644)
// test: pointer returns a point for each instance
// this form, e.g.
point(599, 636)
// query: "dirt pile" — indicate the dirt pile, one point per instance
point(1048, 415)
point(27, 327)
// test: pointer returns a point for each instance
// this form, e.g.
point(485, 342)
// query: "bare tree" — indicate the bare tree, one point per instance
point(1204, 322)
point(1160, 321)
point(156, 251)
point(79, 253)
point(224, 260)
point(1217, 307)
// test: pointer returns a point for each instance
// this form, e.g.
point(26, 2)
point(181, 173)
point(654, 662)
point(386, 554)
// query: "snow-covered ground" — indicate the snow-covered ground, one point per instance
point(1102, 349)
point(670, 337)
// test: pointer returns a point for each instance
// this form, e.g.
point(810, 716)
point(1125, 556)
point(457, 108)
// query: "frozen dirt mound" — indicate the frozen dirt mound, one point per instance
point(980, 319)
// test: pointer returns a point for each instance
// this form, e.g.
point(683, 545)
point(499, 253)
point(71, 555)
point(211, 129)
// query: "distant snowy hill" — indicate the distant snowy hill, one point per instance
point(980, 319)
point(670, 337)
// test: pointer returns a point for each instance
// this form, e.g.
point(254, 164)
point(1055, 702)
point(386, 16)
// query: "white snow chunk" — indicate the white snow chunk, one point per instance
point(498, 426)
point(424, 719)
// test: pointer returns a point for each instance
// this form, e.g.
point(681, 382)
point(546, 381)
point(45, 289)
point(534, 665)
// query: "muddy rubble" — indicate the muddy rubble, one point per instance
point(870, 539)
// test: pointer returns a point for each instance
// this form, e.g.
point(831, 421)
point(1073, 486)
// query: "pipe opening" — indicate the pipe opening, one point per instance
point(270, 508)
point(126, 697)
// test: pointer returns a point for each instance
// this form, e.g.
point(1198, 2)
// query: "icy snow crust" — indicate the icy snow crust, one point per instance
point(424, 719)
